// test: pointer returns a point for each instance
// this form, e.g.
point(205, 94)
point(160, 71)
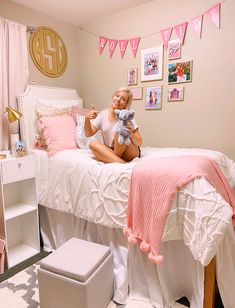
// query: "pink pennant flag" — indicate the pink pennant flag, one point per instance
point(112, 46)
point(102, 43)
point(166, 35)
point(180, 31)
point(196, 23)
point(134, 42)
point(214, 14)
point(122, 46)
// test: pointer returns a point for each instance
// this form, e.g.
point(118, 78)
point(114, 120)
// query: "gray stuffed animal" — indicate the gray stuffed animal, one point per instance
point(124, 116)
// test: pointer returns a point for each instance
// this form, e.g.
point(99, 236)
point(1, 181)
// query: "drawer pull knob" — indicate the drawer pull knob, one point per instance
point(19, 165)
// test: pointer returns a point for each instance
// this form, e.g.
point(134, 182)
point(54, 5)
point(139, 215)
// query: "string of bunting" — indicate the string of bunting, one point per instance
point(213, 13)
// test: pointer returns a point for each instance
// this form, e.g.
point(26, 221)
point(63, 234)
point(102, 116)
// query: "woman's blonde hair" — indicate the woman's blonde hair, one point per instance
point(128, 91)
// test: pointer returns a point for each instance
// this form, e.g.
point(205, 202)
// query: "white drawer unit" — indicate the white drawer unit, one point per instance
point(18, 169)
point(19, 209)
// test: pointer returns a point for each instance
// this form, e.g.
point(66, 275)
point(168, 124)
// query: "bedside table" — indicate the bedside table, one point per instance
point(19, 209)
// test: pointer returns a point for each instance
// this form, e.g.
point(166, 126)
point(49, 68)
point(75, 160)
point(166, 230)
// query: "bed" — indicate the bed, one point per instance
point(81, 197)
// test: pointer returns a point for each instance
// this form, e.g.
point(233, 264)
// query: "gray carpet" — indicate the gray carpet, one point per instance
point(21, 266)
point(19, 285)
point(21, 290)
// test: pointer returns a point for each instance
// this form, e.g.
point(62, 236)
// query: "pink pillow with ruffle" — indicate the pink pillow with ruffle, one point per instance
point(58, 133)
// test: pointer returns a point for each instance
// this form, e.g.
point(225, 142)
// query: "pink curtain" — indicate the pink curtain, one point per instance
point(13, 73)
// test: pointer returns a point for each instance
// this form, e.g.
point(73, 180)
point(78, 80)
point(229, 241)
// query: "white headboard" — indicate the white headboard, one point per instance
point(27, 102)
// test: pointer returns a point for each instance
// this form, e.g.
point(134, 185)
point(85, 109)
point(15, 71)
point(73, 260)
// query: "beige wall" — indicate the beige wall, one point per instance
point(205, 118)
point(68, 33)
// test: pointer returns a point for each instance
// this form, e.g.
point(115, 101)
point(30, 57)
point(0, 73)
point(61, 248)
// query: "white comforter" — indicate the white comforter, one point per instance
point(73, 182)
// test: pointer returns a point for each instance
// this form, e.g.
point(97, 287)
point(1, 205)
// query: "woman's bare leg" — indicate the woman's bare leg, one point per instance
point(104, 153)
point(126, 152)
point(122, 153)
point(131, 152)
point(118, 148)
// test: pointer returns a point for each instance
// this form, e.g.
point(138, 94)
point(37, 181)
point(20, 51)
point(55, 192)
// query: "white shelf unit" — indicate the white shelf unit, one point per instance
point(19, 209)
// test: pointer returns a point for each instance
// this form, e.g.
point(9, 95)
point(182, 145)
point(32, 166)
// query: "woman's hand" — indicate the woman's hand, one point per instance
point(129, 126)
point(134, 134)
point(92, 113)
point(89, 129)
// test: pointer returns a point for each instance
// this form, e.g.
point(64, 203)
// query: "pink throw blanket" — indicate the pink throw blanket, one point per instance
point(153, 186)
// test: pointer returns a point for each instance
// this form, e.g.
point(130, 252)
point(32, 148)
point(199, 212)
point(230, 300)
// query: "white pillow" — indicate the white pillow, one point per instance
point(80, 138)
point(43, 102)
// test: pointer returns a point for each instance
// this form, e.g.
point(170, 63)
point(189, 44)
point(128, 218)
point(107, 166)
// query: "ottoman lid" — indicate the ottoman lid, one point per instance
point(76, 259)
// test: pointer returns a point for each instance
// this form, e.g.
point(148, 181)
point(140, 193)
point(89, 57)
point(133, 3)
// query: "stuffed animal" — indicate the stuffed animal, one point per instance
point(124, 116)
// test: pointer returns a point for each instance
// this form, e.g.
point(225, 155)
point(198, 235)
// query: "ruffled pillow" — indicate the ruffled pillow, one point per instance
point(58, 133)
point(51, 111)
point(80, 137)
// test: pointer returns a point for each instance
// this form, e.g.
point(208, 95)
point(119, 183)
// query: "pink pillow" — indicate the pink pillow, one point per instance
point(58, 133)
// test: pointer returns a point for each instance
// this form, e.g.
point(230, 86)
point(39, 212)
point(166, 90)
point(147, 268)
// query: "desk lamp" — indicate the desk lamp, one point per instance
point(13, 115)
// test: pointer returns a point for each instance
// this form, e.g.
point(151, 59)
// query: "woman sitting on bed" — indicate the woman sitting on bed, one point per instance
point(111, 151)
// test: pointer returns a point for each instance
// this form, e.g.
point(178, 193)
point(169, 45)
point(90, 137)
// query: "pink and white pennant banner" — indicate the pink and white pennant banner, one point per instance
point(102, 43)
point(112, 46)
point(214, 14)
point(181, 30)
point(166, 35)
point(122, 46)
point(196, 23)
point(134, 42)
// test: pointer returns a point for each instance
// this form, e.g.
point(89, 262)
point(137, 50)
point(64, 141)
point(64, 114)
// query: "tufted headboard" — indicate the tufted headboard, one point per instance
point(27, 102)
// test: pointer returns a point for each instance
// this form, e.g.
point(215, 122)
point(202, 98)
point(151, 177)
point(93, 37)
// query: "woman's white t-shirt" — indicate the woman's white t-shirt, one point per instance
point(107, 128)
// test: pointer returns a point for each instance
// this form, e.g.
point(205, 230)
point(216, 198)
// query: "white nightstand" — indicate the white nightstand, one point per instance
point(19, 209)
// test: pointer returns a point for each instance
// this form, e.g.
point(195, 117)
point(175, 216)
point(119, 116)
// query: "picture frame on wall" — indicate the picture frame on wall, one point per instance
point(174, 50)
point(132, 76)
point(175, 94)
point(153, 98)
point(152, 63)
point(137, 93)
point(180, 71)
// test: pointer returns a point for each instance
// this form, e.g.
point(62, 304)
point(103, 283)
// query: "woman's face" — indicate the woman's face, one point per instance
point(120, 100)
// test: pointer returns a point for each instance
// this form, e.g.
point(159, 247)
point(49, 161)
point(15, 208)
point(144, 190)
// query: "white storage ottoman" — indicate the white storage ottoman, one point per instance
point(78, 274)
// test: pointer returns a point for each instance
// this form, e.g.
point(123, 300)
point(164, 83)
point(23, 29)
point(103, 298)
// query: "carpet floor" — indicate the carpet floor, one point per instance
point(21, 290)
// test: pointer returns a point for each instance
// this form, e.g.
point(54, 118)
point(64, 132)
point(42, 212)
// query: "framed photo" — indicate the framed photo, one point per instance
point(20, 149)
point(151, 63)
point(180, 71)
point(137, 93)
point(132, 76)
point(174, 49)
point(175, 94)
point(153, 98)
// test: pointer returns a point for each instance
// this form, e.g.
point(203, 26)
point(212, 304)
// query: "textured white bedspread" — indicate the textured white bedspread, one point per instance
point(73, 182)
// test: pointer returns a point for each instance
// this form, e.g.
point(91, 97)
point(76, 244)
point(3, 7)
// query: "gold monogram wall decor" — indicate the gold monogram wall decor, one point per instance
point(48, 52)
